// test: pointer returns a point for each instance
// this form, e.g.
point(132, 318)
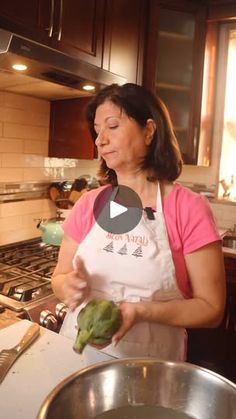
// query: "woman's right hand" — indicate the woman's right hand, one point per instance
point(75, 285)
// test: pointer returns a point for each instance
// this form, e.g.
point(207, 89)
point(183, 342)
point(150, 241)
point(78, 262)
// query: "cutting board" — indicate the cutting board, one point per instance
point(38, 370)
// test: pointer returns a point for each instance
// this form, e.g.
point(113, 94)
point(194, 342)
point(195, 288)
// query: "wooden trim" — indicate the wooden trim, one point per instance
point(196, 87)
point(141, 41)
point(149, 68)
point(222, 12)
point(208, 95)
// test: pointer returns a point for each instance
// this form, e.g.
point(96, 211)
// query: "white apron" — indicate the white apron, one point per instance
point(134, 266)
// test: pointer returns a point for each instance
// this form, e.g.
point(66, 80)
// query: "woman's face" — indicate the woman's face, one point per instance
point(121, 141)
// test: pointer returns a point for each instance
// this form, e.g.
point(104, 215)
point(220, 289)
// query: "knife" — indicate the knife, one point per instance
point(9, 356)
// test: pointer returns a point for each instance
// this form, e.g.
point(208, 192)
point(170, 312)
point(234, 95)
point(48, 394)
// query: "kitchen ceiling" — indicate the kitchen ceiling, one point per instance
point(23, 84)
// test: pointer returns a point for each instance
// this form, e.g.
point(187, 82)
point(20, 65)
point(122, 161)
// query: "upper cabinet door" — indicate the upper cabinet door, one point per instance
point(34, 20)
point(79, 29)
point(107, 34)
point(174, 67)
point(74, 27)
point(69, 133)
point(125, 24)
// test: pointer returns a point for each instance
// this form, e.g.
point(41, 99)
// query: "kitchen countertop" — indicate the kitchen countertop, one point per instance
point(48, 361)
point(42, 366)
point(8, 317)
point(228, 252)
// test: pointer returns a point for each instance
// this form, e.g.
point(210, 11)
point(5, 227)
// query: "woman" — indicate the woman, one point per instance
point(178, 282)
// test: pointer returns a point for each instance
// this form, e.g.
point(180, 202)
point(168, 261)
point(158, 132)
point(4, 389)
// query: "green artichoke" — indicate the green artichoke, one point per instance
point(97, 323)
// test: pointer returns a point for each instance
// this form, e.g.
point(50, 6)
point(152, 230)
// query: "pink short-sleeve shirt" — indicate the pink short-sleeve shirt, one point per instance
point(189, 221)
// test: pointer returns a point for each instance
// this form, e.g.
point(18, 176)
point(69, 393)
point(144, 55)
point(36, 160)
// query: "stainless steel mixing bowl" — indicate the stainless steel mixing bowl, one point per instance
point(184, 388)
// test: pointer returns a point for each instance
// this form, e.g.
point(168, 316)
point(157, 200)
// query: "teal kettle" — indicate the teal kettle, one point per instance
point(52, 231)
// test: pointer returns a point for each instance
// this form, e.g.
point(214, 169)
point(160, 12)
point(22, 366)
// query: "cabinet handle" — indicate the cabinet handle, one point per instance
point(60, 21)
point(50, 30)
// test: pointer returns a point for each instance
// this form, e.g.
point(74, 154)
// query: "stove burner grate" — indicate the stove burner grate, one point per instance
point(25, 272)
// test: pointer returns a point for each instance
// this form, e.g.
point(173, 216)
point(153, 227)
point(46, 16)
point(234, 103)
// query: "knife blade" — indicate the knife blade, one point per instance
point(9, 356)
point(107, 354)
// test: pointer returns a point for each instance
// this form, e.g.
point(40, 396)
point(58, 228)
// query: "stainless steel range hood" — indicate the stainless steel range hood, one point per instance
point(50, 73)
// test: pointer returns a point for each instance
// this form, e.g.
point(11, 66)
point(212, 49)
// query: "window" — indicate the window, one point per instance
point(226, 105)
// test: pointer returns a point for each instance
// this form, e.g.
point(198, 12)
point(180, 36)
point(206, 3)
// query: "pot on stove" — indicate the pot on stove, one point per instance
point(52, 232)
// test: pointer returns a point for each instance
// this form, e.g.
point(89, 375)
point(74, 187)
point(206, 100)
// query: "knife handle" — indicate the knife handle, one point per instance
point(31, 334)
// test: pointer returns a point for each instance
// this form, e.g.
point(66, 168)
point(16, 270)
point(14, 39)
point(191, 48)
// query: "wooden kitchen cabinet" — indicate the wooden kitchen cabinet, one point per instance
point(121, 23)
point(80, 29)
point(215, 349)
point(69, 134)
point(32, 21)
point(74, 27)
point(125, 26)
point(221, 10)
point(174, 66)
point(106, 34)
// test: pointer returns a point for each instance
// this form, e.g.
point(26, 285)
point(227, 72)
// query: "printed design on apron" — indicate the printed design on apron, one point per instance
point(132, 267)
point(120, 243)
point(123, 250)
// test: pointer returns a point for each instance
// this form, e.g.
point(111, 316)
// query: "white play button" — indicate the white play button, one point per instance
point(116, 209)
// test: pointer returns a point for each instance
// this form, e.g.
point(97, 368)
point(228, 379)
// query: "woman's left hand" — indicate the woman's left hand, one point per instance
point(130, 316)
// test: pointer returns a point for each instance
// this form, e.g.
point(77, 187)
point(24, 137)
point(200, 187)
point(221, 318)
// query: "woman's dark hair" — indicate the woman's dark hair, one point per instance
point(164, 156)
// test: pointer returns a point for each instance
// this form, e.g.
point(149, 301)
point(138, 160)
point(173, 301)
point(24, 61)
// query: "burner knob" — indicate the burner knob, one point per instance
point(60, 311)
point(48, 320)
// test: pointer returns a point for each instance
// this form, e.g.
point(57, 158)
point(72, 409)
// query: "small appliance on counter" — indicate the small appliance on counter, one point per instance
point(52, 231)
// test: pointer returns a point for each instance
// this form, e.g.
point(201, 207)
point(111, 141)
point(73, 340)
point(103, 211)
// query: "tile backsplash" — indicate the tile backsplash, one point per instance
point(225, 214)
point(24, 136)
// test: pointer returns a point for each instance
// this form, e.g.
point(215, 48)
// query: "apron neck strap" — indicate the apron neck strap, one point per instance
point(114, 193)
point(159, 207)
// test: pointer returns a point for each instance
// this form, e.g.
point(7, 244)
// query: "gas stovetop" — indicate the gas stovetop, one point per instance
point(25, 272)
